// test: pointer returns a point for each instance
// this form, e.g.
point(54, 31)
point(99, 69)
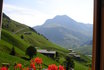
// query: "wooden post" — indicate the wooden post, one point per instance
point(102, 37)
point(1, 5)
point(96, 36)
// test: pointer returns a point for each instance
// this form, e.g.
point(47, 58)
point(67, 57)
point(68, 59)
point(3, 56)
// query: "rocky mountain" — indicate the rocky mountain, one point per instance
point(65, 31)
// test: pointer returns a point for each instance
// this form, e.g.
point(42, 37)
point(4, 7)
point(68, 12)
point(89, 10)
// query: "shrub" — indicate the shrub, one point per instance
point(31, 51)
point(13, 51)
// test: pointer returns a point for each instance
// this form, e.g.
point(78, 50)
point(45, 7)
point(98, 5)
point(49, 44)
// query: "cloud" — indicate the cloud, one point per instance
point(26, 16)
point(46, 9)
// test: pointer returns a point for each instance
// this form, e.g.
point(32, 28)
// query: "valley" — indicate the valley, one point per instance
point(20, 37)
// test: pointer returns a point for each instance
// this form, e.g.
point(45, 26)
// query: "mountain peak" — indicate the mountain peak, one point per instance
point(60, 20)
point(62, 17)
point(65, 31)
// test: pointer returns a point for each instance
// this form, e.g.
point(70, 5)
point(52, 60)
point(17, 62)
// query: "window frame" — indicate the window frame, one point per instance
point(1, 5)
point(98, 27)
point(97, 52)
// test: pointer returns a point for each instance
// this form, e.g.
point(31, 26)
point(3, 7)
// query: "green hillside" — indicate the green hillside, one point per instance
point(88, 49)
point(79, 66)
point(34, 38)
point(20, 37)
point(6, 46)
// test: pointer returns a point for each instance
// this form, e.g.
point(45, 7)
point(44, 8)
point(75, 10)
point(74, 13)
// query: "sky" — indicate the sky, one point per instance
point(36, 12)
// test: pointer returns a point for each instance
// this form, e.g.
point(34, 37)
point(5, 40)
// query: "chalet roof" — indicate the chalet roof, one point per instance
point(72, 53)
point(27, 32)
point(77, 55)
point(70, 49)
point(46, 51)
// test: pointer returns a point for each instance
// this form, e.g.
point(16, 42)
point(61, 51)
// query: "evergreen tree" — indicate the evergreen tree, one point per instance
point(13, 51)
point(69, 63)
point(22, 37)
point(31, 51)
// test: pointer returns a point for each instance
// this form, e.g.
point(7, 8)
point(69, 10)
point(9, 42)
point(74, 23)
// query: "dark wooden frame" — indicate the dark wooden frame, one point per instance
point(1, 5)
point(98, 34)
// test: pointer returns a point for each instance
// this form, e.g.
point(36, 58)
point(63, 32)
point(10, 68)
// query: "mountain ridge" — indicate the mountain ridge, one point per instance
point(64, 27)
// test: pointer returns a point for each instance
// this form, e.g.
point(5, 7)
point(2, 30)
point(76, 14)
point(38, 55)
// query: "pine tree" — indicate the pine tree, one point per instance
point(13, 51)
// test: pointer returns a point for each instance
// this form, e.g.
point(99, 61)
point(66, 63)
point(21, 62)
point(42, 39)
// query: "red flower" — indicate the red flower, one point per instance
point(34, 68)
point(52, 67)
point(32, 65)
point(4, 68)
point(38, 60)
point(18, 66)
point(61, 67)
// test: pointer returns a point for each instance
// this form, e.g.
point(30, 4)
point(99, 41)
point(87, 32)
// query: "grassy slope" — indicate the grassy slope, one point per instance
point(9, 40)
point(11, 37)
point(5, 48)
point(6, 58)
point(35, 39)
point(39, 41)
point(88, 49)
point(79, 66)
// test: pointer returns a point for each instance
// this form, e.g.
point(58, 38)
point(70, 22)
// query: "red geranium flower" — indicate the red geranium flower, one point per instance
point(32, 65)
point(61, 67)
point(52, 67)
point(18, 66)
point(4, 68)
point(38, 60)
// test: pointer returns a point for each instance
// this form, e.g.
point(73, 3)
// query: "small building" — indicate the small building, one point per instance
point(70, 50)
point(47, 53)
point(77, 56)
point(72, 53)
point(89, 55)
point(28, 33)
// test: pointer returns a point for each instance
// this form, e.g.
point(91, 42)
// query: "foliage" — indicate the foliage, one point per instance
point(13, 52)
point(31, 51)
point(69, 63)
point(22, 37)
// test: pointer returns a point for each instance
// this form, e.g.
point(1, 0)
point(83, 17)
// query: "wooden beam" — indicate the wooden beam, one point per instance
point(1, 5)
point(102, 37)
point(96, 36)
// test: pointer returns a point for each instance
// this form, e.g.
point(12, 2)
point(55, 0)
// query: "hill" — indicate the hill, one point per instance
point(11, 37)
point(34, 38)
point(20, 36)
point(65, 31)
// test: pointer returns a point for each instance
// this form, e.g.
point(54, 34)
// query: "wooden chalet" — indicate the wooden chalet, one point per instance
point(47, 53)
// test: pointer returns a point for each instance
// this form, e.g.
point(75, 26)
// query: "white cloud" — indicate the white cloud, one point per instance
point(26, 16)
point(46, 9)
